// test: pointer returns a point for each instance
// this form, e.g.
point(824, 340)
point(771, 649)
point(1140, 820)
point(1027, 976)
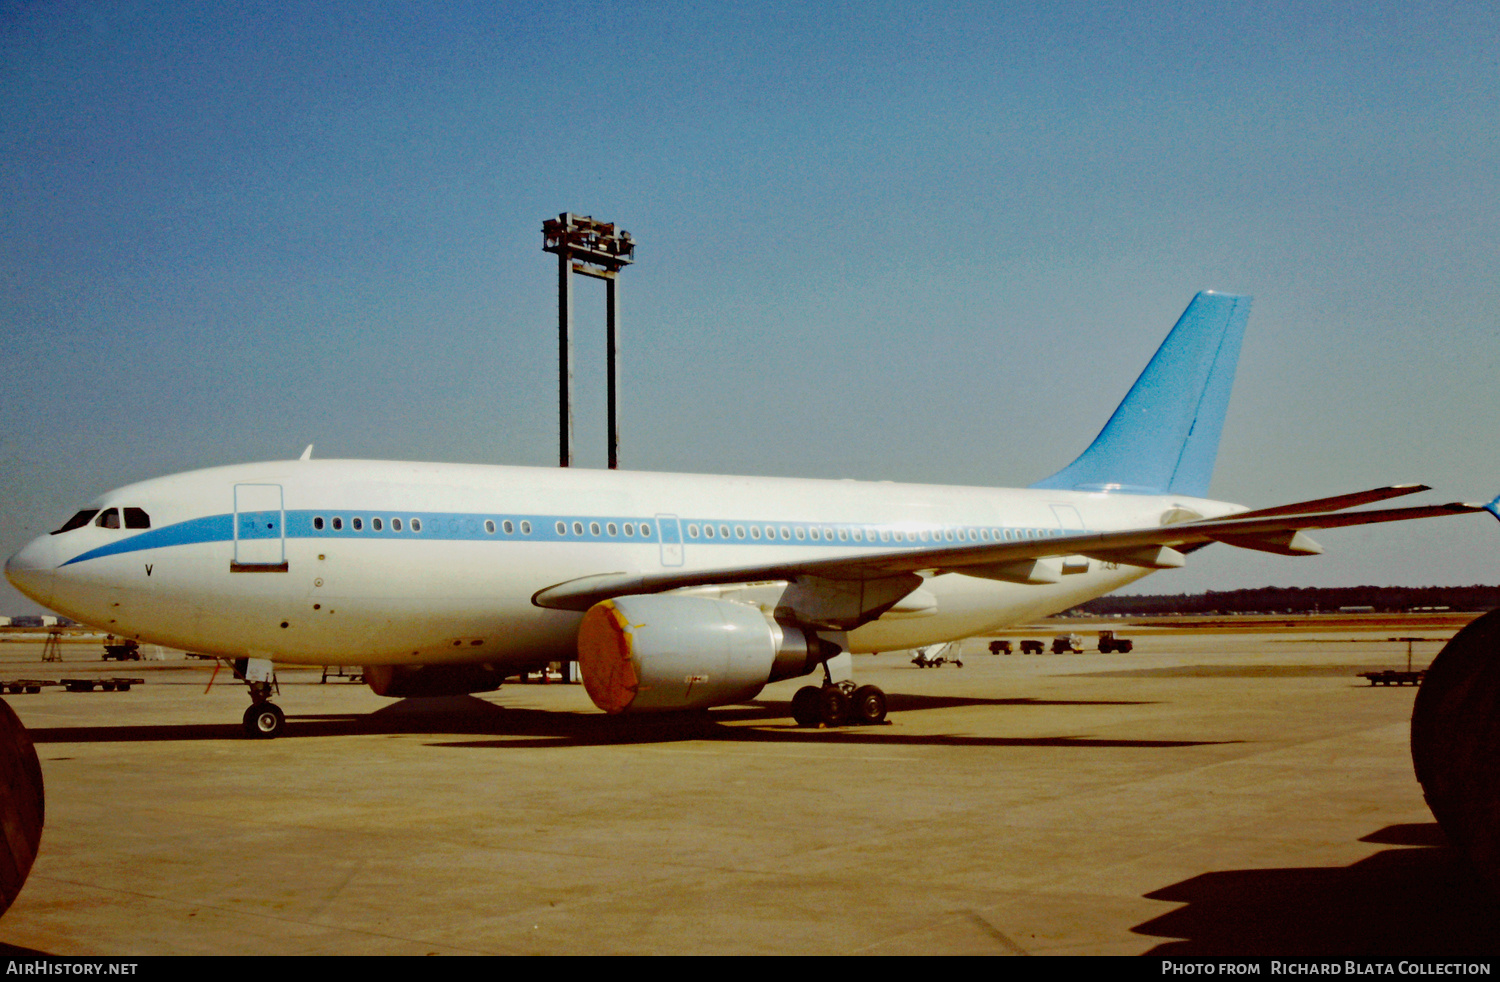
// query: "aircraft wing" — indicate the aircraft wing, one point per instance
point(1275, 530)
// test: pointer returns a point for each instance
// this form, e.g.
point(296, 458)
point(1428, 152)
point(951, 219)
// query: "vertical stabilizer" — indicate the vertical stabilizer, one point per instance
point(1164, 438)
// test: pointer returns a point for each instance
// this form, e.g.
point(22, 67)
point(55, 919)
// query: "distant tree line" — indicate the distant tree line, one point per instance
point(1299, 600)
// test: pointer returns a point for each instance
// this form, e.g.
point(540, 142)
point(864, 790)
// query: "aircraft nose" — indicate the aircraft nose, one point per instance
point(32, 569)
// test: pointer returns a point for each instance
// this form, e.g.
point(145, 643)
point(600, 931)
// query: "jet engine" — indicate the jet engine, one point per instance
point(431, 680)
point(644, 653)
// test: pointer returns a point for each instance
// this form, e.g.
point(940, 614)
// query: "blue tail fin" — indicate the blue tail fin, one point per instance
point(1164, 438)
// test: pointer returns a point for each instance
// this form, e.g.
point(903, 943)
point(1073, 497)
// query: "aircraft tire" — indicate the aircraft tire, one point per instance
point(23, 805)
point(868, 705)
point(1455, 742)
point(264, 721)
point(833, 706)
point(805, 706)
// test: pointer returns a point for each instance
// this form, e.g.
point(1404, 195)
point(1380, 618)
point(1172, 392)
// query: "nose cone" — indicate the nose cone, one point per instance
point(31, 570)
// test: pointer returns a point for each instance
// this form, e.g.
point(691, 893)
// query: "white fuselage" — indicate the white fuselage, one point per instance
point(247, 561)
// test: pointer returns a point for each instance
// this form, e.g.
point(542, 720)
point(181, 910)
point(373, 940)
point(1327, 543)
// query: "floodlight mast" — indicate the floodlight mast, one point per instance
point(595, 249)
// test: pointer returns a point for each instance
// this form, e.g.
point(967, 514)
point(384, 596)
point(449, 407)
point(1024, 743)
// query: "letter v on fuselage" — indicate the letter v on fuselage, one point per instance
point(672, 590)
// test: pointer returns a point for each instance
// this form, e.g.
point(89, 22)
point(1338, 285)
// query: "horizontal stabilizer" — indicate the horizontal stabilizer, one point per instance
point(1337, 502)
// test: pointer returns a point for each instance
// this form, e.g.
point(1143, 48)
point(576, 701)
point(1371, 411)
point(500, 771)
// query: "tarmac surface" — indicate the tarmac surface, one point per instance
point(1214, 792)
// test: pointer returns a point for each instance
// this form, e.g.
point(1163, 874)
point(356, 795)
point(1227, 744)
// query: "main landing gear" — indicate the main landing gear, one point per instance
point(264, 719)
point(838, 704)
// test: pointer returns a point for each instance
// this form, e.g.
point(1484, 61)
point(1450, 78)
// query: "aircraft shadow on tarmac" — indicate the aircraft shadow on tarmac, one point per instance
point(517, 727)
point(1415, 901)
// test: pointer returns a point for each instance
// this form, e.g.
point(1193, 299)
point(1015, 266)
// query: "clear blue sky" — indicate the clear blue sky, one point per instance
point(925, 242)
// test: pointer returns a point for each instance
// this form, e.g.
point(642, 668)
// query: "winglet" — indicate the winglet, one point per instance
point(1494, 507)
point(1164, 437)
point(306, 454)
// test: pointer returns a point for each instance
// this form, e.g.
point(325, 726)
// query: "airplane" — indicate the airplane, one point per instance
point(672, 591)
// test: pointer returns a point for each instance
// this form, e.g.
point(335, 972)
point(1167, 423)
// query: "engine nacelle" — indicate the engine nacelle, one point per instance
point(431, 680)
point(645, 653)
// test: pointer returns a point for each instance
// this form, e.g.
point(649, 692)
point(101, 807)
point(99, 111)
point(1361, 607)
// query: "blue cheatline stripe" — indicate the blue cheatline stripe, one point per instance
point(213, 528)
point(472, 527)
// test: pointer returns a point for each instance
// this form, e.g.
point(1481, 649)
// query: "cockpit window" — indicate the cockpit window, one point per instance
point(136, 518)
point(109, 519)
point(77, 521)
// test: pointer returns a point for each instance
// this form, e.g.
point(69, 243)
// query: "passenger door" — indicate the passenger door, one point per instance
point(259, 529)
point(670, 530)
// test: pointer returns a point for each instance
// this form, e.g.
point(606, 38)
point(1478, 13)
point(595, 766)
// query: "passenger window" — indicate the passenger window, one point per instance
point(525, 528)
point(77, 521)
point(562, 528)
point(110, 519)
point(646, 530)
point(786, 533)
point(577, 528)
point(395, 525)
point(136, 518)
point(801, 532)
point(489, 526)
point(814, 533)
point(318, 523)
point(416, 525)
point(357, 523)
point(613, 530)
point(338, 524)
point(843, 535)
point(509, 528)
point(376, 524)
point(629, 529)
point(593, 528)
point(755, 531)
point(708, 531)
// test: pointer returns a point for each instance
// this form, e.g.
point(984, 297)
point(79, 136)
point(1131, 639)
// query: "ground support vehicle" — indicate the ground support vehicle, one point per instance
point(127, 650)
point(17, 686)
point(108, 685)
point(1392, 677)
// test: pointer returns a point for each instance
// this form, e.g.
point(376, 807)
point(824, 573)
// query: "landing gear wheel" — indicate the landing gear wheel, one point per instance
point(264, 720)
point(805, 706)
point(868, 705)
point(833, 706)
point(1455, 742)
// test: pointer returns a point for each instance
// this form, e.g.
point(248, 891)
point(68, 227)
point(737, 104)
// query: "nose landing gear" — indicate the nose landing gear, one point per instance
point(264, 720)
